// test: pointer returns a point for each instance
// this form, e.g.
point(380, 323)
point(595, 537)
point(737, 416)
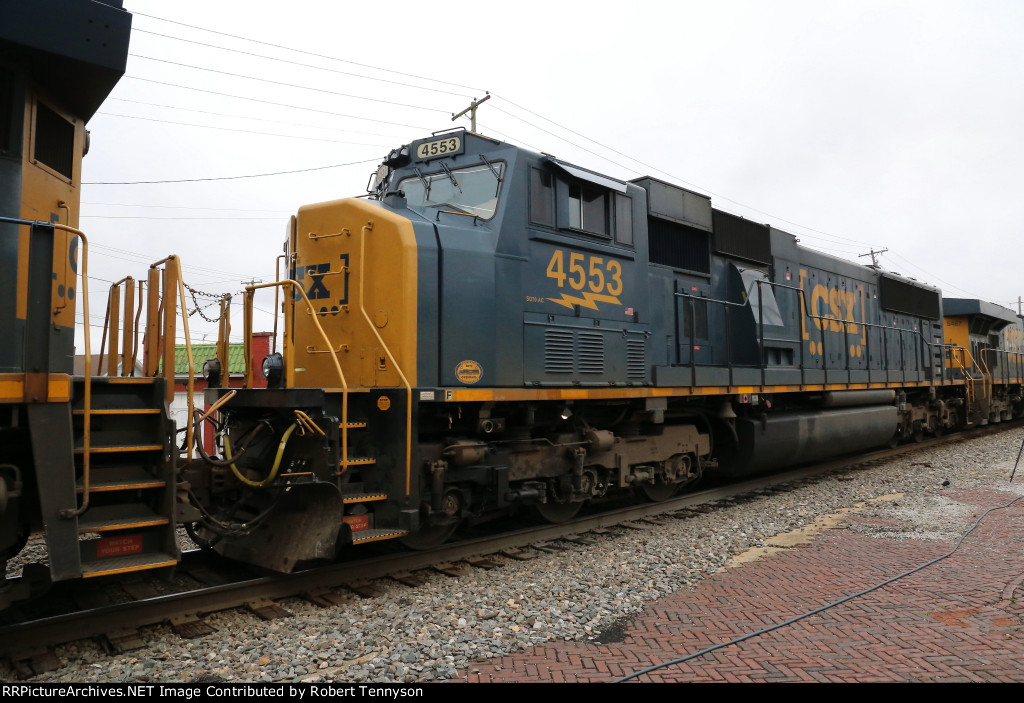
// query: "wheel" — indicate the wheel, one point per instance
point(657, 492)
point(557, 512)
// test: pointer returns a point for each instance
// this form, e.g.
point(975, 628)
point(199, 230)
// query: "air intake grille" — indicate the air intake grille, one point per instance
point(557, 351)
point(679, 246)
point(635, 364)
point(590, 352)
point(735, 236)
point(900, 296)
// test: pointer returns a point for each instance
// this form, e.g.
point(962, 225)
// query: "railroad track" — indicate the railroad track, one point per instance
point(225, 585)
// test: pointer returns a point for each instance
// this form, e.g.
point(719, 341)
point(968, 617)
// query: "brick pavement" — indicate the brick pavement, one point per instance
point(958, 620)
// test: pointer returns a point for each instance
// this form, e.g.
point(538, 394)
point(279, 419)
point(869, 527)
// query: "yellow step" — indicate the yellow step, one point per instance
point(357, 461)
point(126, 564)
point(120, 478)
point(362, 497)
point(120, 411)
point(367, 536)
point(128, 516)
point(113, 448)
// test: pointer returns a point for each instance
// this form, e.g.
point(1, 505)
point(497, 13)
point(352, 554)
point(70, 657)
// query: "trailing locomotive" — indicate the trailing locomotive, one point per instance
point(492, 331)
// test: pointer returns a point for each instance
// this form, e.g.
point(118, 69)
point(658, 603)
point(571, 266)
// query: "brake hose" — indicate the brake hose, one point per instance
point(273, 470)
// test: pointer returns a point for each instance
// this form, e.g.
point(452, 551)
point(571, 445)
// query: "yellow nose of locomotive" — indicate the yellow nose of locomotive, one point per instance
point(356, 261)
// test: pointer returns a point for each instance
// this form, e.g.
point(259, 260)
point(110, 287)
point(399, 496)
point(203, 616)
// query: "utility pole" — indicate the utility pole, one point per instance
point(472, 111)
point(874, 256)
point(252, 282)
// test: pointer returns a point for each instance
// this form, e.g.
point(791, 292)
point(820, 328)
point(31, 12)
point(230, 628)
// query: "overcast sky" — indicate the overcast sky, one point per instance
point(854, 125)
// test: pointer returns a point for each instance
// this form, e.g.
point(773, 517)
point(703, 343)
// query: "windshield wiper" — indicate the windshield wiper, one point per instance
point(426, 184)
point(491, 166)
point(451, 176)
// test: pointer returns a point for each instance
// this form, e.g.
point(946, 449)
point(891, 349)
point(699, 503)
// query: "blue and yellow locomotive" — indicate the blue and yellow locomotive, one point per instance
point(495, 329)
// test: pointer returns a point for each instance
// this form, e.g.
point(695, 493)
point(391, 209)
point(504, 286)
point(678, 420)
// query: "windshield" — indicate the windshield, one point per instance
point(473, 189)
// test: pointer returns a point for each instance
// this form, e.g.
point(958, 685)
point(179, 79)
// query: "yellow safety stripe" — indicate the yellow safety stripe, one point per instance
point(519, 394)
point(12, 388)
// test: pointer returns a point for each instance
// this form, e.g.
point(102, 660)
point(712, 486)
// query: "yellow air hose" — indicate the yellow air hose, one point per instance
point(273, 470)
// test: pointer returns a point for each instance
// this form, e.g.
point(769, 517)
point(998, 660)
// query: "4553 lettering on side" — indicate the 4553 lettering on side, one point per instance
point(592, 279)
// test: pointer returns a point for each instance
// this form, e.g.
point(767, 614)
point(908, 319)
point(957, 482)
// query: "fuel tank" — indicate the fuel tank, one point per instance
point(790, 438)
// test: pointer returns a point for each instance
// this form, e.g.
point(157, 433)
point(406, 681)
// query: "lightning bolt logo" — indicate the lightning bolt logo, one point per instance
point(588, 301)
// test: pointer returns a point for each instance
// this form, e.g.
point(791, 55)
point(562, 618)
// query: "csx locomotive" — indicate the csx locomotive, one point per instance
point(491, 331)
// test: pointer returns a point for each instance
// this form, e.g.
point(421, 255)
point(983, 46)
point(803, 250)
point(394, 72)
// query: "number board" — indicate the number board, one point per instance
point(439, 147)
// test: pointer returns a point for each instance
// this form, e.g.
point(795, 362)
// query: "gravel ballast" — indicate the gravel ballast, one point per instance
point(586, 593)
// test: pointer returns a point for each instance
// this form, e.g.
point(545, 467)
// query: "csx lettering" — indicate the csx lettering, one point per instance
point(586, 272)
point(840, 304)
point(317, 290)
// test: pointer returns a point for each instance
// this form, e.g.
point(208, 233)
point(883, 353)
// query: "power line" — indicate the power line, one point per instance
point(185, 207)
point(226, 178)
point(297, 63)
point(656, 169)
point(145, 217)
point(254, 119)
point(244, 131)
point(275, 104)
point(289, 85)
point(307, 53)
point(102, 249)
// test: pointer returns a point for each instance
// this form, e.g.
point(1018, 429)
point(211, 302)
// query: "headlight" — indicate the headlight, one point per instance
point(273, 369)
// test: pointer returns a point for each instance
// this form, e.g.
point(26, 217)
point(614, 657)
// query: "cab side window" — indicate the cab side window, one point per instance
point(542, 197)
point(580, 208)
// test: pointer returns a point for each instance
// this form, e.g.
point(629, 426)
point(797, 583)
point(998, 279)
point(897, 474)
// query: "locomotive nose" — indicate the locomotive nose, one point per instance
point(357, 264)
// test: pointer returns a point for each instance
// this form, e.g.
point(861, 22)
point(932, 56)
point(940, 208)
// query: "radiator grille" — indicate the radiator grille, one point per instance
point(590, 352)
point(557, 351)
point(635, 364)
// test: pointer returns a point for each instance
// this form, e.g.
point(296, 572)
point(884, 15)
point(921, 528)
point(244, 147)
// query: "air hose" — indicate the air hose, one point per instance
point(273, 470)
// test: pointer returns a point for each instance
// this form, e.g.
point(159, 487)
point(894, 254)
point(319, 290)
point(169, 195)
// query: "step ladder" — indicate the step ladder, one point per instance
point(129, 524)
point(362, 486)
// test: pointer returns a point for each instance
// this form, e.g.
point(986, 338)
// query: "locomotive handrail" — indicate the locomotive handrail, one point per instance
point(112, 323)
point(805, 309)
point(173, 288)
point(250, 294)
point(986, 374)
point(87, 373)
point(277, 307)
point(364, 230)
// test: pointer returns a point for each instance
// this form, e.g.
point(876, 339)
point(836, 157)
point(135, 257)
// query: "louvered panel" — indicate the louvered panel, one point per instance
point(590, 352)
point(557, 351)
point(635, 365)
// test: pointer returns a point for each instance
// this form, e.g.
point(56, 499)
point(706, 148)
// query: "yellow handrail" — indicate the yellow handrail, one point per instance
point(173, 286)
point(250, 292)
point(87, 397)
point(368, 227)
